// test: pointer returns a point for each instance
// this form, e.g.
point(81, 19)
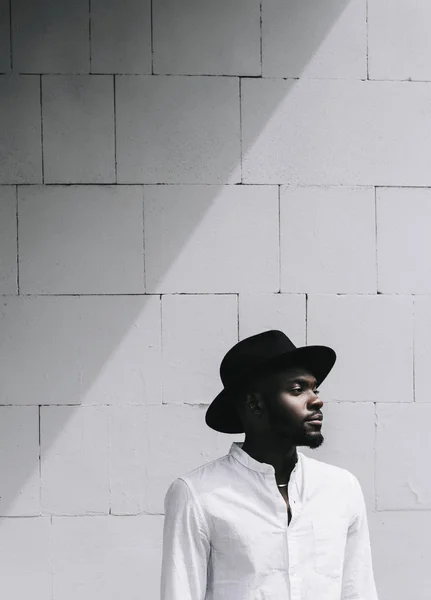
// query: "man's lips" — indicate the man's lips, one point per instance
point(315, 417)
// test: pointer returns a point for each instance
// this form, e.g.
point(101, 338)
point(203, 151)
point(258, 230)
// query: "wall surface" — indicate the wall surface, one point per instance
point(177, 175)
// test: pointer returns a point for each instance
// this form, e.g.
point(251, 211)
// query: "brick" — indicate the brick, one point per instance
point(20, 126)
point(74, 459)
point(146, 457)
point(24, 557)
point(19, 446)
point(348, 429)
point(226, 32)
point(102, 253)
point(317, 132)
point(120, 36)
point(106, 557)
point(8, 241)
point(422, 348)
point(402, 214)
point(322, 230)
point(107, 349)
point(400, 545)
point(361, 330)
point(177, 129)
point(260, 312)
point(398, 39)
point(401, 460)
point(5, 58)
point(50, 37)
point(197, 331)
point(211, 238)
point(334, 45)
point(78, 129)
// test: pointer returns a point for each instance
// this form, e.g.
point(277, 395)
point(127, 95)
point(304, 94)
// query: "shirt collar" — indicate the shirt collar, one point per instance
point(251, 463)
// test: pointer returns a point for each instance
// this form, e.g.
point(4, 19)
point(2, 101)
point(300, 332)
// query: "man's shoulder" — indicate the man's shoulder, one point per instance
point(328, 472)
point(205, 476)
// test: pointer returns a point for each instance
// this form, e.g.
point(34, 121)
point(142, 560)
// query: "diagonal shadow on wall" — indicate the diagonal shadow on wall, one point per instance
point(60, 350)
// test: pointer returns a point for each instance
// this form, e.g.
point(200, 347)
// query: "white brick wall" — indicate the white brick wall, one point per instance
point(176, 175)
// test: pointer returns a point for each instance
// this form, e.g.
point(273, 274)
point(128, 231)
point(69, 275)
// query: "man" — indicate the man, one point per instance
point(266, 522)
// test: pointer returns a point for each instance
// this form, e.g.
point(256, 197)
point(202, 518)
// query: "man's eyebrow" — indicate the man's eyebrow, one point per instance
point(301, 380)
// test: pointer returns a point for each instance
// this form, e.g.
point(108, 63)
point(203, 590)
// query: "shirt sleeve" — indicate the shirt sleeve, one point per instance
point(186, 546)
point(358, 575)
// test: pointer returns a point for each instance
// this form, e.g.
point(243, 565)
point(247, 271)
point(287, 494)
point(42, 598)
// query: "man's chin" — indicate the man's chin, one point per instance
point(312, 441)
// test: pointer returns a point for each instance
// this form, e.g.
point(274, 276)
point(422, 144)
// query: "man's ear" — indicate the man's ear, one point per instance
point(253, 403)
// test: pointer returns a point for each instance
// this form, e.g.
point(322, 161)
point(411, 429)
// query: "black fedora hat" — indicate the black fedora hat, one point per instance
point(254, 355)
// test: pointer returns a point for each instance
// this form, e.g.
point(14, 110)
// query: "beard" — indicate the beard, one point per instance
point(296, 433)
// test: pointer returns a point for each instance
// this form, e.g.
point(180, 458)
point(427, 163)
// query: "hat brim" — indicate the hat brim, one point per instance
point(222, 416)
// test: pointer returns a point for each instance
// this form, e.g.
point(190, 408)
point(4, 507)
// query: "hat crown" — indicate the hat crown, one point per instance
point(248, 354)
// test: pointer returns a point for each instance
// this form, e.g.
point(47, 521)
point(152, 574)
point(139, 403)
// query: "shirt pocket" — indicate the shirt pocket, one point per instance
point(329, 545)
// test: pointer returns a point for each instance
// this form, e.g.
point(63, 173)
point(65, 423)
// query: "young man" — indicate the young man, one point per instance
point(265, 522)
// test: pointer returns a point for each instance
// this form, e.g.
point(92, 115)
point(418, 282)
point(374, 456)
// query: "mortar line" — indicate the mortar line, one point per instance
point(366, 38)
point(89, 35)
point(279, 238)
point(114, 78)
point(237, 317)
point(375, 456)
point(17, 241)
point(241, 157)
point(143, 239)
point(376, 239)
point(306, 319)
point(261, 42)
point(42, 155)
point(161, 349)
point(10, 37)
point(152, 37)
point(414, 348)
point(40, 455)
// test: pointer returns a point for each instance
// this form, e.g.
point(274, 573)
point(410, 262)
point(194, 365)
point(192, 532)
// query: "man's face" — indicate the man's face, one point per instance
point(290, 398)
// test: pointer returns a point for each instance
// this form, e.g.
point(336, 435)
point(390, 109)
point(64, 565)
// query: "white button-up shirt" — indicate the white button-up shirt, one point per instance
point(226, 534)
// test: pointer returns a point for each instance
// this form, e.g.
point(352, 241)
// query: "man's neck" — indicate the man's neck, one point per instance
point(282, 456)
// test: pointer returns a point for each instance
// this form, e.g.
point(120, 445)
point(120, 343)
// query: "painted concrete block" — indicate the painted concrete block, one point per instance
point(260, 312)
point(328, 240)
point(349, 432)
point(331, 132)
point(422, 348)
point(362, 330)
point(211, 238)
point(19, 461)
point(403, 240)
point(8, 241)
point(398, 39)
point(177, 129)
point(106, 557)
point(207, 37)
point(400, 545)
point(314, 39)
point(402, 450)
point(197, 331)
point(78, 129)
point(74, 460)
point(120, 36)
point(80, 350)
point(81, 239)
point(24, 556)
point(20, 126)
point(51, 37)
point(151, 446)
